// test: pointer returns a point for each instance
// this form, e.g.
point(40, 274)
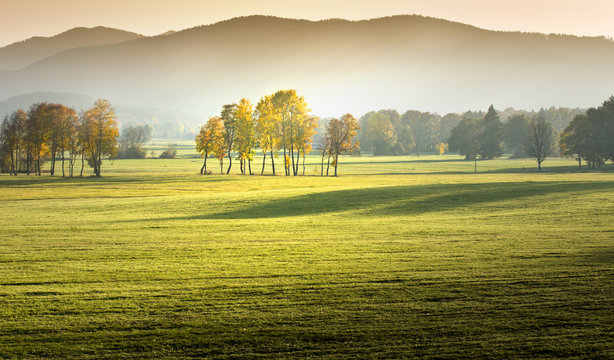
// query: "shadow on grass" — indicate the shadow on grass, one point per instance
point(25, 180)
point(398, 200)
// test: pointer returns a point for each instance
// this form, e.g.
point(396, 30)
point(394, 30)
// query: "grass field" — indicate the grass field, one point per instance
point(399, 257)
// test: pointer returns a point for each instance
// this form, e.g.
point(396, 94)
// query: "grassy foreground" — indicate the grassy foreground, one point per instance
point(399, 257)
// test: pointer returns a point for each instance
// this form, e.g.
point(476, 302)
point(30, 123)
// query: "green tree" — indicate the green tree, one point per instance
point(377, 133)
point(490, 144)
point(540, 140)
point(515, 132)
point(132, 140)
point(423, 126)
point(464, 138)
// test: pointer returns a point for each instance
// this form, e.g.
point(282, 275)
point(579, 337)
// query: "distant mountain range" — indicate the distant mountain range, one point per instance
point(21, 54)
point(400, 62)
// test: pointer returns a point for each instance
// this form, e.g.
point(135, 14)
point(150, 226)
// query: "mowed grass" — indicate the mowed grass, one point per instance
point(398, 257)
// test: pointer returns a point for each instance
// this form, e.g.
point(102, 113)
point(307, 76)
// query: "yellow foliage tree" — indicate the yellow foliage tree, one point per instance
point(210, 139)
point(245, 134)
point(267, 129)
point(100, 133)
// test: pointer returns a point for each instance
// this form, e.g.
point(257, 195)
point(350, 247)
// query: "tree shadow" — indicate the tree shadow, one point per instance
point(398, 200)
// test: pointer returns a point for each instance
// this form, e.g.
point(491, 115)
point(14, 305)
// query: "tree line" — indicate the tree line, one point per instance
point(280, 123)
point(590, 136)
point(386, 132)
point(56, 133)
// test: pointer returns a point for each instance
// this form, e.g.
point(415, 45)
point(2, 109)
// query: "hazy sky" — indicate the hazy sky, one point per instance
point(21, 19)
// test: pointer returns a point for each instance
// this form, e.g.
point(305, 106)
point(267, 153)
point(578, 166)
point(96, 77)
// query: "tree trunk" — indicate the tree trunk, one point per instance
point(328, 164)
point(273, 162)
point(229, 159)
point(249, 164)
point(285, 167)
point(222, 167)
point(336, 162)
point(539, 165)
point(579, 163)
point(63, 172)
point(82, 164)
point(52, 171)
point(204, 167)
point(13, 172)
point(303, 163)
point(322, 167)
point(298, 154)
point(263, 163)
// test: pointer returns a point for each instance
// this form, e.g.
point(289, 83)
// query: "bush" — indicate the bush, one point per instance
point(169, 153)
point(131, 153)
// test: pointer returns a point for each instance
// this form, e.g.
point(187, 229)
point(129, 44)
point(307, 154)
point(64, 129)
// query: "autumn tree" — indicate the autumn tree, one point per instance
point(13, 138)
point(245, 134)
point(342, 137)
point(229, 118)
point(267, 129)
point(100, 133)
point(305, 136)
point(210, 139)
point(291, 109)
point(37, 133)
point(540, 140)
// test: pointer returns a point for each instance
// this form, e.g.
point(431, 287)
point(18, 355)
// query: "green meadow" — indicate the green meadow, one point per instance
point(399, 257)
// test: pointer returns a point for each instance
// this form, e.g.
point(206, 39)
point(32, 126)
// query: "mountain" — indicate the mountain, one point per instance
point(401, 62)
point(27, 52)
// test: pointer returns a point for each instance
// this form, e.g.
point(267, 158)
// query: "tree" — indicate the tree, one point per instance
point(342, 137)
point(37, 134)
point(422, 127)
point(267, 129)
point(540, 142)
point(378, 133)
point(464, 138)
point(210, 139)
point(170, 152)
point(245, 136)
point(132, 140)
point(292, 110)
point(229, 118)
point(490, 144)
point(13, 138)
point(305, 135)
point(100, 133)
point(515, 131)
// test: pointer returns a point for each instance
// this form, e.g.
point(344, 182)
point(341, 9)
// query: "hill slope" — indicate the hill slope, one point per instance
point(27, 52)
point(340, 66)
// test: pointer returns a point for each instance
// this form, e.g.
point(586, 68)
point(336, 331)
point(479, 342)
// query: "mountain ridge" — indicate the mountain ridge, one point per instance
point(340, 66)
point(26, 52)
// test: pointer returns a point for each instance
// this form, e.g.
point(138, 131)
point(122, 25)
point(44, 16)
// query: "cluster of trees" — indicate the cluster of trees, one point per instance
point(590, 136)
point(386, 132)
point(488, 137)
point(55, 132)
point(280, 123)
point(132, 140)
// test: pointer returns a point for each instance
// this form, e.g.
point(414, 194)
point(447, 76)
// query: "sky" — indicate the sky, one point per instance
point(22, 19)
